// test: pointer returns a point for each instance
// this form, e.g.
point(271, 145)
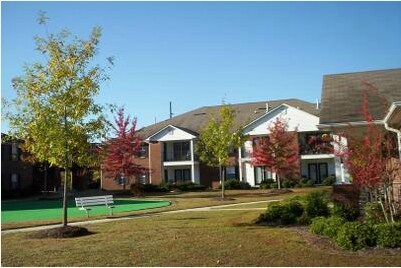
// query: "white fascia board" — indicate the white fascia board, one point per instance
point(394, 105)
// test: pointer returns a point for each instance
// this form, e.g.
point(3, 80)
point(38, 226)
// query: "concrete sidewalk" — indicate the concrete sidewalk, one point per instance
point(210, 208)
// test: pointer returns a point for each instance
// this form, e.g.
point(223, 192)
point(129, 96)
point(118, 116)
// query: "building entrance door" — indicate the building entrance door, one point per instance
point(317, 172)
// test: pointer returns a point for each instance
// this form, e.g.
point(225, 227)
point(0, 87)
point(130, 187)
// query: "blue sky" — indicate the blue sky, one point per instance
point(197, 53)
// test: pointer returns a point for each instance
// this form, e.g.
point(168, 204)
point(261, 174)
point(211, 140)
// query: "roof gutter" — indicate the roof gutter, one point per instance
point(356, 123)
point(397, 131)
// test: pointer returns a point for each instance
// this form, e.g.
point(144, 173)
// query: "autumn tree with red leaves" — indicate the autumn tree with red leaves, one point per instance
point(120, 151)
point(368, 157)
point(278, 151)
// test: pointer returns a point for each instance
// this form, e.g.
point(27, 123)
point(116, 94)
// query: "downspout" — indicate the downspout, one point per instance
point(398, 136)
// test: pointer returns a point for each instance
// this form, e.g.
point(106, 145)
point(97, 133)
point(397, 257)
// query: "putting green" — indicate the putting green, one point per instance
point(31, 210)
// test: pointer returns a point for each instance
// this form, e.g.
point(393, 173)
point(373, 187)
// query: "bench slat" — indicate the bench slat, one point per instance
point(94, 200)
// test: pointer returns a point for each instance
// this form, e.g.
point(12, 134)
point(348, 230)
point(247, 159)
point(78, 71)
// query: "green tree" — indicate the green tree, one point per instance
point(216, 139)
point(54, 110)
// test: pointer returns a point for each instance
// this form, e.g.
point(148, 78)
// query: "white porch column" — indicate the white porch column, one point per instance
point(192, 162)
point(240, 163)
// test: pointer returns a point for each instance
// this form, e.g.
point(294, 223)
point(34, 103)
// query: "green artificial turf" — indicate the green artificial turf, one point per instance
point(28, 210)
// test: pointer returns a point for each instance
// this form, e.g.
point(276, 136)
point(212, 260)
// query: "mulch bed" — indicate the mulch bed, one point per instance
point(61, 232)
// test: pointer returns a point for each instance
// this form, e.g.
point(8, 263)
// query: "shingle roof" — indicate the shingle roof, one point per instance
point(196, 119)
point(342, 95)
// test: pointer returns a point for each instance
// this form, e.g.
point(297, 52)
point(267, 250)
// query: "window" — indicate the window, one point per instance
point(143, 178)
point(262, 173)
point(182, 151)
point(121, 179)
point(181, 175)
point(144, 151)
point(14, 152)
point(230, 172)
point(14, 181)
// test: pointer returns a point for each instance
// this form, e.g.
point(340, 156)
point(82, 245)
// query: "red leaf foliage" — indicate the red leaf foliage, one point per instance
point(120, 151)
point(366, 157)
point(278, 151)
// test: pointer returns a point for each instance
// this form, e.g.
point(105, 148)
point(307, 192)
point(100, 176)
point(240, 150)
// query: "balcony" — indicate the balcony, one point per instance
point(177, 156)
point(315, 144)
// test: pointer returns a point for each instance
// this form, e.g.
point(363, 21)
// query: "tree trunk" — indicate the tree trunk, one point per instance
point(45, 179)
point(65, 171)
point(65, 197)
point(71, 179)
point(278, 181)
point(221, 182)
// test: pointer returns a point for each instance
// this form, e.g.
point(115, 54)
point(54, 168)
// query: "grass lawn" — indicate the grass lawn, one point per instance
point(30, 210)
point(201, 238)
point(178, 201)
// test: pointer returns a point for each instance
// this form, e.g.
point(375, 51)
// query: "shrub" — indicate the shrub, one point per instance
point(327, 226)
point(355, 236)
point(373, 212)
point(274, 185)
point(282, 213)
point(305, 182)
point(273, 214)
point(265, 184)
point(189, 186)
point(234, 184)
point(388, 235)
point(304, 219)
point(345, 211)
point(316, 204)
point(330, 180)
point(288, 184)
point(318, 225)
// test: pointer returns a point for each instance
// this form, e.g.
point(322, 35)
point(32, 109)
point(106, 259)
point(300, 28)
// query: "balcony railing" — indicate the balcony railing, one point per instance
point(323, 148)
point(171, 156)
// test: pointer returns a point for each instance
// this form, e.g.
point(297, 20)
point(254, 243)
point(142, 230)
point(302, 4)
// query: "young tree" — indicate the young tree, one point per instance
point(216, 139)
point(120, 151)
point(278, 151)
point(54, 110)
point(368, 157)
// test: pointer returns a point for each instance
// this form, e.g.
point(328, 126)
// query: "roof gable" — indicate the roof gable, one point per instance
point(171, 133)
point(296, 119)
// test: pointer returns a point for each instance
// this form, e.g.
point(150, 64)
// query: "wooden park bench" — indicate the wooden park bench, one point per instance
point(84, 203)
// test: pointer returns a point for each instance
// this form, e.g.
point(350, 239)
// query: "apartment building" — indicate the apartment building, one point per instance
point(169, 148)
